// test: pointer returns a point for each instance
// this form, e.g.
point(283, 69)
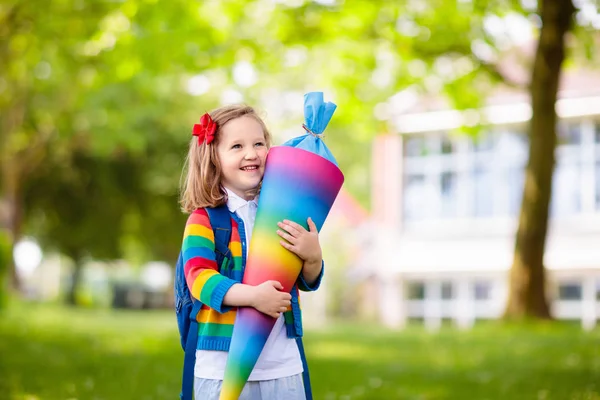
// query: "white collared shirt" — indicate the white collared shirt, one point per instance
point(244, 209)
point(280, 357)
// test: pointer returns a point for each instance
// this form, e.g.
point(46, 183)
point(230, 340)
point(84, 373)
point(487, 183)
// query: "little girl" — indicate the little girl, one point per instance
point(225, 165)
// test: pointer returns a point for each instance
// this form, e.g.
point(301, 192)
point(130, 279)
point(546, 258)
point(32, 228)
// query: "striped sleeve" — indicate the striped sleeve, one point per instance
point(200, 267)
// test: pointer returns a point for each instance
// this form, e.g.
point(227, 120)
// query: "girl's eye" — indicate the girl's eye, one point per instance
point(259, 144)
point(236, 146)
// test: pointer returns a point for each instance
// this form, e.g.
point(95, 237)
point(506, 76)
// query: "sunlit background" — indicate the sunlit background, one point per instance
point(432, 131)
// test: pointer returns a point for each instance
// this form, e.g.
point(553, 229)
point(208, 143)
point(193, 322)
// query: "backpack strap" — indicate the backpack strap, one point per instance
point(220, 221)
point(189, 359)
point(305, 374)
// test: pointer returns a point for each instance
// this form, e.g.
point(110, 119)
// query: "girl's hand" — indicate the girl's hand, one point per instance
point(303, 243)
point(268, 299)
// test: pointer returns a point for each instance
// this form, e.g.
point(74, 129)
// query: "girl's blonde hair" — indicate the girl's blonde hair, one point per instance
point(202, 186)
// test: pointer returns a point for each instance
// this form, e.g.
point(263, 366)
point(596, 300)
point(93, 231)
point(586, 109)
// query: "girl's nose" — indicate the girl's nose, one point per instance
point(251, 154)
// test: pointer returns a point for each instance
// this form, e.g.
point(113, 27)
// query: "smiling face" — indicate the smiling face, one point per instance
point(242, 150)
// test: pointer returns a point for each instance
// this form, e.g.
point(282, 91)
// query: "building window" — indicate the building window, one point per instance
point(447, 291)
point(483, 190)
point(448, 183)
point(482, 290)
point(569, 133)
point(510, 157)
point(566, 189)
point(512, 143)
point(416, 291)
point(415, 146)
point(447, 147)
point(597, 131)
point(569, 291)
point(598, 185)
point(420, 197)
point(516, 184)
point(492, 170)
point(485, 141)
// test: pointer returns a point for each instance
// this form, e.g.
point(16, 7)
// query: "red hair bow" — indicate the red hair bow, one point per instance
point(205, 130)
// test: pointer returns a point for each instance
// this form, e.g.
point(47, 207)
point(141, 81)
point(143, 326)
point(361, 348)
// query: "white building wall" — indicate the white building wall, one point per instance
point(455, 216)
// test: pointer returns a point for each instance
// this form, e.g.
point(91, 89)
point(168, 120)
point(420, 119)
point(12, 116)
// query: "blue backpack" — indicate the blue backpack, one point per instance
point(187, 308)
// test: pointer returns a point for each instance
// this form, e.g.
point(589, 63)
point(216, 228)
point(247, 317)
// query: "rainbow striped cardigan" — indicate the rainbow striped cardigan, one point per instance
point(209, 282)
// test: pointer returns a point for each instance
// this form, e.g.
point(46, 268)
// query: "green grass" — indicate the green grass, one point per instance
point(47, 352)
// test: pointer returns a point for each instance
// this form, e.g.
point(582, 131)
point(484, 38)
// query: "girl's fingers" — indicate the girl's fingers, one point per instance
point(286, 236)
point(291, 227)
point(286, 245)
point(312, 227)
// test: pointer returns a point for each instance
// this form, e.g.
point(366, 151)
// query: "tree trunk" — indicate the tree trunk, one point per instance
point(71, 298)
point(5, 259)
point(527, 295)
point(15, 230)
point(12, 216)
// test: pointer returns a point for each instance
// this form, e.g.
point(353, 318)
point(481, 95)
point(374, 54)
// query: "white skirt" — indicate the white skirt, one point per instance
point(288, 388)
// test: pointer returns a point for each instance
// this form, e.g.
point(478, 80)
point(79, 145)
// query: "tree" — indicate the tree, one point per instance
point(110, 90)
point(37, 92)
point(86, 78)
point(527, 296)
point(365, 54)
point(80, 209)
point(360, 38)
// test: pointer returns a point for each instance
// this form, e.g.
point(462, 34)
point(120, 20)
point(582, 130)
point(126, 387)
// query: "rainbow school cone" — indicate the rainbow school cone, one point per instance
point(301, 180)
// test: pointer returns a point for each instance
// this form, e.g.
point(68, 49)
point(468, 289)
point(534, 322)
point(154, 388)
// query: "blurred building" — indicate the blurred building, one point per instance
point(343, 243)
point(446, 208)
